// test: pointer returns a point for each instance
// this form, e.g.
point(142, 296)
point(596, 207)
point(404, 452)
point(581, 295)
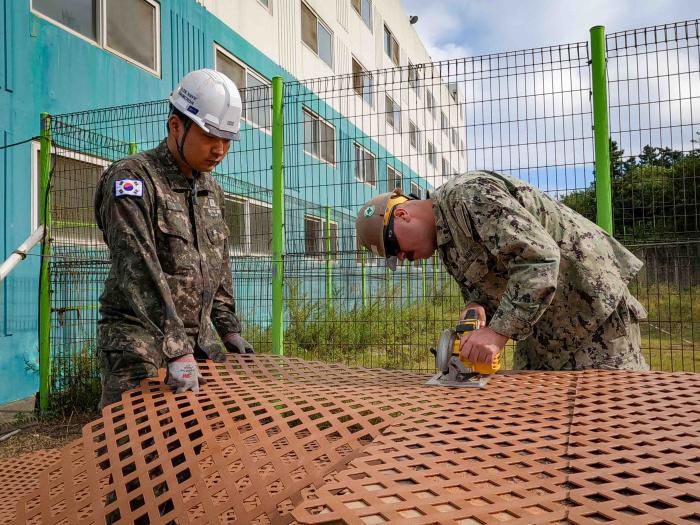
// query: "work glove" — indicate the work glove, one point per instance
point(235, 343)
point(183, 374)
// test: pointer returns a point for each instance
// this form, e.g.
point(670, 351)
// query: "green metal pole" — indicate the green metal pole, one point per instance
point(277, 217)
point(423, 271)
point(133, 148)
point(329, 274)
point(364, 278)
point(44, 278)
point(603, 187)
point(408, 279)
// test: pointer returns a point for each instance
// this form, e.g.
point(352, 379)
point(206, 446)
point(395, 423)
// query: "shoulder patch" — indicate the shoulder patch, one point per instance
point(124, 187)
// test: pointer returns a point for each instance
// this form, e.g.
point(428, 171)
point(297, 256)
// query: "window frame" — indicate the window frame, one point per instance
point(359, 13)
point(416, 189)
point(268, 7)
point(431, 154)
point(247, 250)
point(388, 32)
point(414, 84)
point(248, 71)
point(320, 21)
point(364, 75)
point(35, 207)
point(322, 253)
point(445, 167)
point(397, 175)
point(393, 112)
point(363, 151)
point(430, 102)
point(320, 120)
point(418, 146)
point(101, 30)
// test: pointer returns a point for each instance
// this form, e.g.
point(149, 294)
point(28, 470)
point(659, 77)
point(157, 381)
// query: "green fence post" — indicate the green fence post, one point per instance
point(364, 278)
point(408, 279)
point(423, 265)
point(329, 274)
point(44, 277)
point(603, 188)
point(133, 148)
point(277, 217)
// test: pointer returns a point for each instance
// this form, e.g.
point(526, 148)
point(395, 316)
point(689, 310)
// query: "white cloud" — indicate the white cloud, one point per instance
point(489, 26)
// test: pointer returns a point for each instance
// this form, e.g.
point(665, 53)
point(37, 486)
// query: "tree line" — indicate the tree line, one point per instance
point(655, 194)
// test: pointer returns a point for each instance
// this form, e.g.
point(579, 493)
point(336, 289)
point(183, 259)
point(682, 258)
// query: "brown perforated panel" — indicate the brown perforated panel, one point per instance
point(19, 476)
point(243, 450)
point(273, 440)
point(617, 447)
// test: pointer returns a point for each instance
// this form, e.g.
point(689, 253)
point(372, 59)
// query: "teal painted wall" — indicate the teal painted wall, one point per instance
point(44, 68)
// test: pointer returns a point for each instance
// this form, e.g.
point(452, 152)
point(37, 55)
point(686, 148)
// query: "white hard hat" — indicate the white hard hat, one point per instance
point(211, 100)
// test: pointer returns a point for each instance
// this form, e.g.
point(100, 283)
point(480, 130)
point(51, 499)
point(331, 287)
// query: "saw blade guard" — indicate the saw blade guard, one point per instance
point(444, 350)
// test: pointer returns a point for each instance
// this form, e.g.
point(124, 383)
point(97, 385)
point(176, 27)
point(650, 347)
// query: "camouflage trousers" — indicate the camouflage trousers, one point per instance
point(615, 345)
point(122, 370)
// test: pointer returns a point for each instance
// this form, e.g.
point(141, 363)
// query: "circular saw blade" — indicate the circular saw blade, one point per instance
point(443, 352)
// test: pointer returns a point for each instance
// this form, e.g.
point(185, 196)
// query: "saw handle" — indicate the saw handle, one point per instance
point(470, 323)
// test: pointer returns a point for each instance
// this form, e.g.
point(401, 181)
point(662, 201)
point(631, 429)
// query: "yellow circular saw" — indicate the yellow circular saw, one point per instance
point(453, 368)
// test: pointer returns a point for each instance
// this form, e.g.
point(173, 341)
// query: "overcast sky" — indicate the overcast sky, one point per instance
point(462, 28)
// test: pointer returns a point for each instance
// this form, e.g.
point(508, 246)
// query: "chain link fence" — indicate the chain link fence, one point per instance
point(349, 137)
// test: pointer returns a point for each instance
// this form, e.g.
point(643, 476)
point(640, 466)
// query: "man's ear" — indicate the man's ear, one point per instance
point(174, 124)
point(402, 213)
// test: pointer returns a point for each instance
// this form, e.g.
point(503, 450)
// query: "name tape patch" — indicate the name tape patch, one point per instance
point(124, 187)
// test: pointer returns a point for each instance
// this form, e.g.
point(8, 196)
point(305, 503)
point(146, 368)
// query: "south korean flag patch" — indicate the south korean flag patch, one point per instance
point(126, 187)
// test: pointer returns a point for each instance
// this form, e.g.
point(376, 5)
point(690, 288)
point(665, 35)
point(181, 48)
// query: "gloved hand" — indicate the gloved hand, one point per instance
point(183, 374)
point(235, 343)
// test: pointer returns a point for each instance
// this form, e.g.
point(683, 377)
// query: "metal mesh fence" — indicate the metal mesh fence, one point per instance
point(346, 138)
point(84, 144)
point(654, 100)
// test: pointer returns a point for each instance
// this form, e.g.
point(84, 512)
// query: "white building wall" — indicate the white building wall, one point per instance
point(276, 32)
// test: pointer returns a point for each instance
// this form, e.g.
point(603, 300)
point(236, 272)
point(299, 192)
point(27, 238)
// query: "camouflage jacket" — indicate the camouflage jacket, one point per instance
point(170, 276)
point(539, 269)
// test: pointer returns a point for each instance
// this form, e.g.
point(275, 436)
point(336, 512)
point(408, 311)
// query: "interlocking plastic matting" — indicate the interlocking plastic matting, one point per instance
point(278, 440)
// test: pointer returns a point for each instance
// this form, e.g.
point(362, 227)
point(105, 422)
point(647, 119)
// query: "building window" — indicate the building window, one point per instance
point(414, 78)
point(455, 138)
point(315, 237)
point(431, 153)
point(430, 102)
point(391, 46)
point(128, 28)
point(316, 35)
point(267, 4)
point(362, 81)
point(393, 114)
point(364, 9)
point(256, 93)
point(319, 137)
point(365, 166)
point(416, 190)
point(444, 123)
point(394, 178)
point(73, 184)
point(414, 136)
point(250, 226)
point(445, 167)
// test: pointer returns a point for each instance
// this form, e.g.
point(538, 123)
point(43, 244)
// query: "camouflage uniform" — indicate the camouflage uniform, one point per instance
point(547, 277)
point(170, 277)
